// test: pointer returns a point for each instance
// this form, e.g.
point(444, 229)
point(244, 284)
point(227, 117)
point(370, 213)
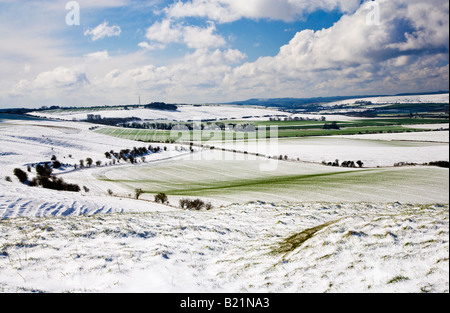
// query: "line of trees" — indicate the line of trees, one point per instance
point(133, 154)
point(203, 125)
point(444, 164)
point(127, 155)
point(350, 164)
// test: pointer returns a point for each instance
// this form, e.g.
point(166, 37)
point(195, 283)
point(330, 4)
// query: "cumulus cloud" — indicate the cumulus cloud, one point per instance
point(195, 71)
point(406, 52)
point(97, 56)
point(166, 32)
point(353, 55)
point(102, 31)
point(225, 11)
point(61, 79)
point(153, 46)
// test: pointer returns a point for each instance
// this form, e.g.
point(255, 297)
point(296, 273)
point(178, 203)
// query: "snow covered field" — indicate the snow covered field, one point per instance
point(373, 149)
point(220, 180)
point(30, 142)
point(89, 242)
point(184, 113)
point(434, 136)
point(437, 98)
point(27, 142)
point(189, 113)
point(430, 127)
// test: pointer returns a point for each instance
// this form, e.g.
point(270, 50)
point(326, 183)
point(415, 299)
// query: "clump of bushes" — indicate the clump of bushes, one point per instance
point(54, 183)
point(45, 179)
point(445, 164)
point(401, 164)
point(332, 126)
point(161, 198)
point(196, 205)
point(21, 175)
point(56, 164)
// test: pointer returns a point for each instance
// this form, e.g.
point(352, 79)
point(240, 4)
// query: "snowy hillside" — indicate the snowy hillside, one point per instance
point(243, 248)
point(28, 142)
point(24, 143)
point(435, 98)
point(54, 241)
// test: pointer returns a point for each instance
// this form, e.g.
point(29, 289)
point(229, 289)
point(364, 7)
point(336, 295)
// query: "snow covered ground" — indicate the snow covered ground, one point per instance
point(433, 136)
point(256, 247)
point(89, 242)
point(28, 142)
point(189, 113)
point(437, 98)
point(25, 143)
point(430, 126)
point(17, 201)
point(184, 113)
point(374, 150)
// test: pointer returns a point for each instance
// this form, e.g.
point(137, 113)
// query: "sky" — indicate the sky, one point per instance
point(111, 52)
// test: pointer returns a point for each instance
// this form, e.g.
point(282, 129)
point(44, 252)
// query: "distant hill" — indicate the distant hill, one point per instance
point(291, 102)
point(304, 103)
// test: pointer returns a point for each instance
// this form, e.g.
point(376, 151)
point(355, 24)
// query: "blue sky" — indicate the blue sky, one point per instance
point(255, 38)
point(203, 51)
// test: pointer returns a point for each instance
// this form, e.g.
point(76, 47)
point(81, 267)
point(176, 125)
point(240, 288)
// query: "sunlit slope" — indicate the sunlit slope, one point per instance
point(244, 180)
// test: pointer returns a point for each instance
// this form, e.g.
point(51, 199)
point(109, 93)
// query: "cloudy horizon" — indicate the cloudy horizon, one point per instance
point(211, 51)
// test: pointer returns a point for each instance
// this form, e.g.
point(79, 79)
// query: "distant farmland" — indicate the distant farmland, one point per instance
point(241, 180)
point(286, 129)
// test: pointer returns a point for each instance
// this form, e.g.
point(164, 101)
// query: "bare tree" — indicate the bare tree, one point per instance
point(138, 193)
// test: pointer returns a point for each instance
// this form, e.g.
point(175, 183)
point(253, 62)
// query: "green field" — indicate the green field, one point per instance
point(243, 180)
point(136, 134)
point(207, 135)
point(172, 136)
point(286, 129)
point(359, 123)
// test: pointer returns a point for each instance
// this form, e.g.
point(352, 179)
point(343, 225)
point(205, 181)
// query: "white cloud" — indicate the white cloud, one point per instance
point(201, 38)
point(200, 74)
point(430, 21)
point(51, 83)
point(97, 56)
point(102, 31)
point(147, 46)
point(224, 11)
point(408, 51)
point(103, 3)
point(165, 32)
